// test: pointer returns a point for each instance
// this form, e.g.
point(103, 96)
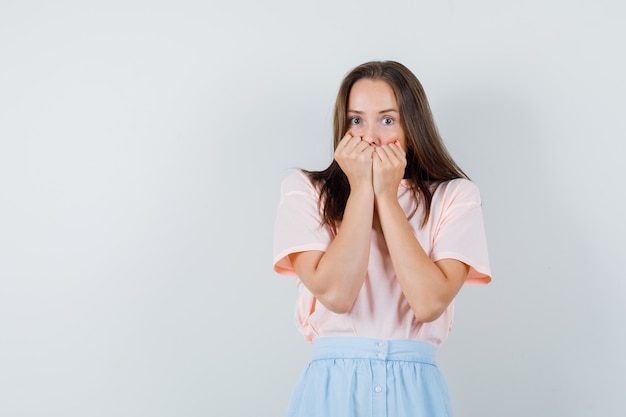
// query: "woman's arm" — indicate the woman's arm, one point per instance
point(428, 286)
point(336, 276)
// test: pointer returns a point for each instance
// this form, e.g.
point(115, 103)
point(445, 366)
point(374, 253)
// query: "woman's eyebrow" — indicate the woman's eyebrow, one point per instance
point(382, 111)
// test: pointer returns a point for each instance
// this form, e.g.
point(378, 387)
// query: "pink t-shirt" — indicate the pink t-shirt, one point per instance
point(454, 230)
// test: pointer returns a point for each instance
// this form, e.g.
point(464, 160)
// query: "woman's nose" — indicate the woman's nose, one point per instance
point(371, 136)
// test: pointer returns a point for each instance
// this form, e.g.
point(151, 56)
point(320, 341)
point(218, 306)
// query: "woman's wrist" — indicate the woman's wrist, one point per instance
point(386, 201)
point(363, 189)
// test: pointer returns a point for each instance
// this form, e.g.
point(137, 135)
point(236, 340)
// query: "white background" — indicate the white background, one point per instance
point(142, 144)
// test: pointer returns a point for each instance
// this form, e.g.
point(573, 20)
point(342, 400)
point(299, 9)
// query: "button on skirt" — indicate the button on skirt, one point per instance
point(363, 377)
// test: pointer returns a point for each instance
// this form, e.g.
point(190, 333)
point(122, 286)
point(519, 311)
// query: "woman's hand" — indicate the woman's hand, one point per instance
point(354, 156)
point(335, 276)
point(389, 163)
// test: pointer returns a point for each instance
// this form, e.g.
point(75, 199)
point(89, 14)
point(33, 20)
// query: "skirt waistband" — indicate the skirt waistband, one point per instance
point(349, 347)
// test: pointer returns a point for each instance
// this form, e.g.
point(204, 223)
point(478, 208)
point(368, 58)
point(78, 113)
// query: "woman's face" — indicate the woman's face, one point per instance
point(373, 113)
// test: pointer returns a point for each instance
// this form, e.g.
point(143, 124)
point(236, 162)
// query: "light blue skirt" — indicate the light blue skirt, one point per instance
point(363, 377)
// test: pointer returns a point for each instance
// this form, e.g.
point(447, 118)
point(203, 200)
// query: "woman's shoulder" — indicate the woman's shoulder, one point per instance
point(296, 181)
point(458, 189)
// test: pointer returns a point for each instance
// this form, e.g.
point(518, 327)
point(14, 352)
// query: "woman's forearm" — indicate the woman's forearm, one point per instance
point(429, 287)
point(336, 276)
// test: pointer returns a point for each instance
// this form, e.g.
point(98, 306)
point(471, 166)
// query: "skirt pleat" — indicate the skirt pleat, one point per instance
point(363, 377)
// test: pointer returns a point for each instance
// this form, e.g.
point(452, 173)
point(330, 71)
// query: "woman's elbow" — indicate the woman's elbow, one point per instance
point(338, 303)
point(428, 313)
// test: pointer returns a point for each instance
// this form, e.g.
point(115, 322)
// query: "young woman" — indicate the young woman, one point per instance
point(381, 241)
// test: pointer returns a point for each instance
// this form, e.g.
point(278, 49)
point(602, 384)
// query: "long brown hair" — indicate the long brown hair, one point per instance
point(428, 161)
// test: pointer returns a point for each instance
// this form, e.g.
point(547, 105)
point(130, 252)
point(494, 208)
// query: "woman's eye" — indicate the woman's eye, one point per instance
point(355, 120)
point(387, 120)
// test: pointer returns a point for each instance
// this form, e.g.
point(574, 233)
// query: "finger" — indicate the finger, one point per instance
point(377, 157)
point(369, 151)
point(397, 149)
point(362, 146)
point(352, 143)
point(399, 145)
point(383, 153)
point(344, 140)
point(394, 153)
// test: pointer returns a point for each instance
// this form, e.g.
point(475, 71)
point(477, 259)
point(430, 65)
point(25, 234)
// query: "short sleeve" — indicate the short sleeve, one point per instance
point(460, 231)
point(297, 227)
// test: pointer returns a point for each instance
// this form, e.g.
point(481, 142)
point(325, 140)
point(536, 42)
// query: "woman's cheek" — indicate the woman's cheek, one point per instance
point(356, 129)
